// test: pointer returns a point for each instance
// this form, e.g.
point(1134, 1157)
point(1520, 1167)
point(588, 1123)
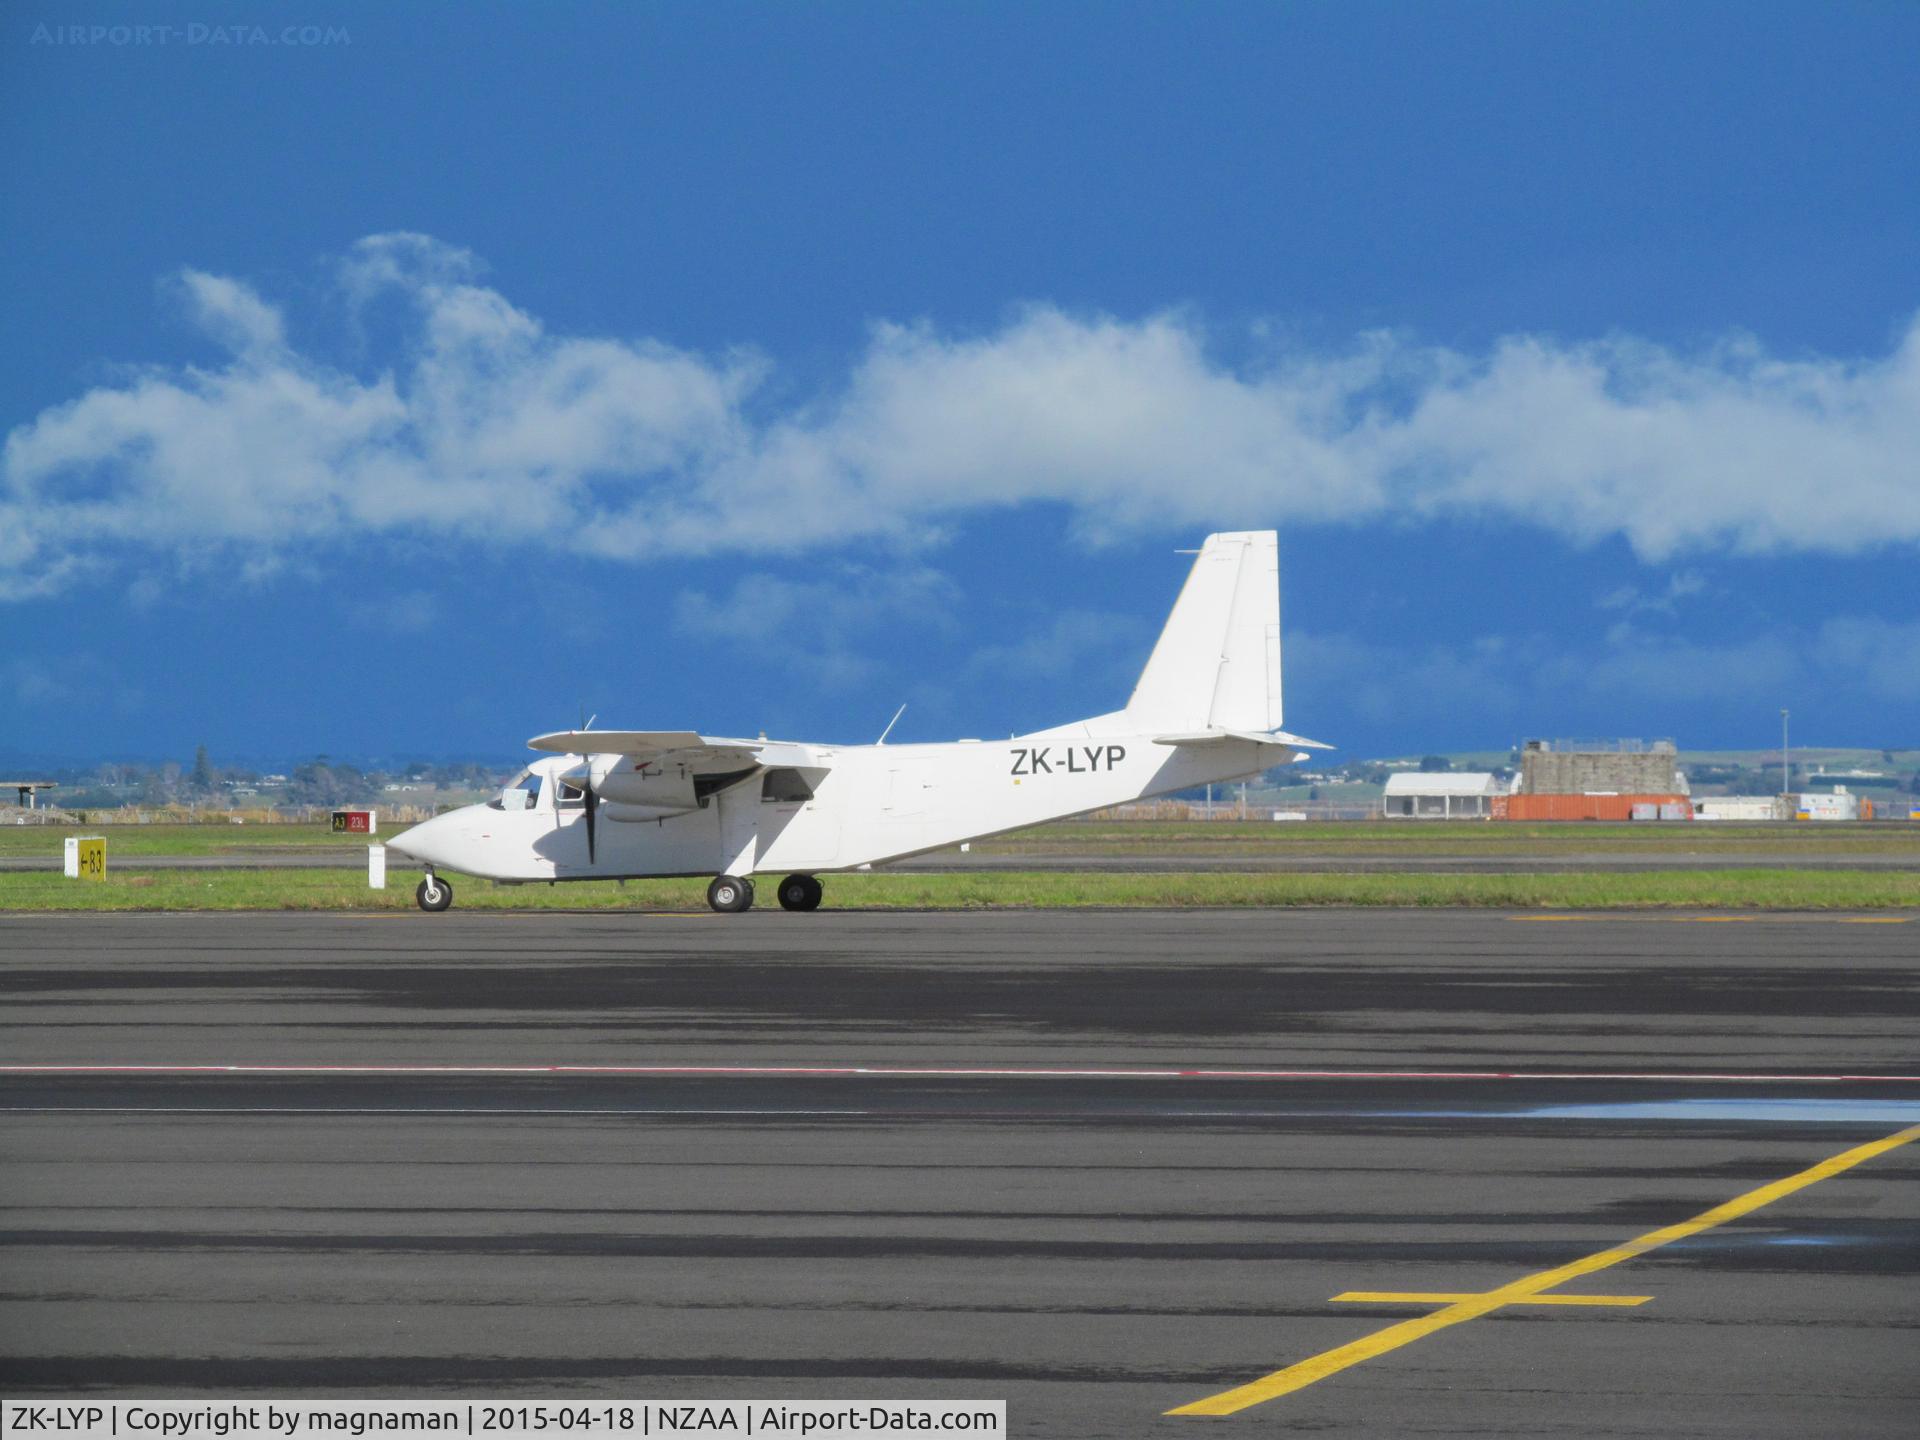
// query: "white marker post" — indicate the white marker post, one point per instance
point(376, 867)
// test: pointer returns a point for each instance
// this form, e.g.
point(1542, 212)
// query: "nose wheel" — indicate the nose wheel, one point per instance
point(433, 893)
point(729, 894)
point(800, 892)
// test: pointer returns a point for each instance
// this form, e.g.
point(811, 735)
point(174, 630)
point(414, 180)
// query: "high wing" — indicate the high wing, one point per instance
point(686, 747)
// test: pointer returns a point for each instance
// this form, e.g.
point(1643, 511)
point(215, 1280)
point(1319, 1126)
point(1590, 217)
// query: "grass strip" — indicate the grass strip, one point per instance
point(45, 841)
point(1220, 839)
point(338, 890)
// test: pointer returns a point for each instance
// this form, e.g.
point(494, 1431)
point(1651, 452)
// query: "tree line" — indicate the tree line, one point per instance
point(321, 780)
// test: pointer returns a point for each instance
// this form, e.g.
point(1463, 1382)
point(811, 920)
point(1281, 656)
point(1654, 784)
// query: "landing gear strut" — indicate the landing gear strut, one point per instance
point(433, 892)
point(729, 894)
point(800, 892)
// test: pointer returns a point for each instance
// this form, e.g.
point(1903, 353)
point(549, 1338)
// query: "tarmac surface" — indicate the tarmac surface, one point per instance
point(1155, 862)
point(1099, 1164)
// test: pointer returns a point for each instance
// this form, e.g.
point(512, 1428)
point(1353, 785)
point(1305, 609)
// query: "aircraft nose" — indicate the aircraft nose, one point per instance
point(422, 842)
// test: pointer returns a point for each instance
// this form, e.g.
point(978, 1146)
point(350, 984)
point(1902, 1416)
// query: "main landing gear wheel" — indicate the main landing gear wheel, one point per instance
point(729, 894)
point(433, 894)
point(800, 892)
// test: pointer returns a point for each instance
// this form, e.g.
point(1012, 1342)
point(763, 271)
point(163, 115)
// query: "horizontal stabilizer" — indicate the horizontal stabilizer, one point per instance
point(1258, 737)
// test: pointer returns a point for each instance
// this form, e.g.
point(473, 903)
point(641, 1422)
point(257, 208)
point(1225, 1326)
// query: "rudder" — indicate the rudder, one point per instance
point(1216, 665)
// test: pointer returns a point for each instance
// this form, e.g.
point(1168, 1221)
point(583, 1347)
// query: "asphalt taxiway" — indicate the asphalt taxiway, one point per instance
point(1102, 1165)
point(1151, 862)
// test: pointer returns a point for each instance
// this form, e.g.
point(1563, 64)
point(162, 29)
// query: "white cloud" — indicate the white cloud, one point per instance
point(1502, 683)
point(1882, 657)
point(1730, 447)
point(1064, 643)
point(30, 684)
point(1045, 663)
point(816, 628)
point(232, 313)
point(483, 426)
point(404, 613)
point(1632, 600)
point(77, 684)
point(1486, 680)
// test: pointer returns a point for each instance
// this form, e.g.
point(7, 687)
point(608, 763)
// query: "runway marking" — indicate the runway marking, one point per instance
point(1734, 1107)
point(1528, 1289)
point(1440, 1297)
point(410, 1110)
point(959, 1072)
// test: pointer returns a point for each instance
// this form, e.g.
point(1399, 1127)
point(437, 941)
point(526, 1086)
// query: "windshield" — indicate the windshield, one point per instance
point(522, 793)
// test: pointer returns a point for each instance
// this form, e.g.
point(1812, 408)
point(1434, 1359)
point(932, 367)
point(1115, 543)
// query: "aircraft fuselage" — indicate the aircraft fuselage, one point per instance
point(874, 803)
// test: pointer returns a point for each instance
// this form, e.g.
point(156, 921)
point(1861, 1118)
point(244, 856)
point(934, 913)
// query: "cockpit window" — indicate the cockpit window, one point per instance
point(522, 792)
point(572, 792)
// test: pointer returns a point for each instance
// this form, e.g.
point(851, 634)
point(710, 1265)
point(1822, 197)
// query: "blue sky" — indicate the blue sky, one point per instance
point(398, 386)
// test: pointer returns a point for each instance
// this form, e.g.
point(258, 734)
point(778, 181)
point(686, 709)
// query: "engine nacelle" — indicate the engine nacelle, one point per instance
point(633, 790)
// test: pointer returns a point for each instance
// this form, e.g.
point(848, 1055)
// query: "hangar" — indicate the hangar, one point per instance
point(1413, 795)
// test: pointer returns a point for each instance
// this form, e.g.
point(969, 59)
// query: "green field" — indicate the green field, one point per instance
point(1452, 837)
point(222, 839)
point(1783, 886)
point(347, 890)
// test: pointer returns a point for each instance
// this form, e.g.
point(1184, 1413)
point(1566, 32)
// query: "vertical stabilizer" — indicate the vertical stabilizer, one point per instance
point(1217, 663)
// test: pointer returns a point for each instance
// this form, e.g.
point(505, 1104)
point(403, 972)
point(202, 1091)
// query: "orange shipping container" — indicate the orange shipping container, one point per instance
point(1583, 807)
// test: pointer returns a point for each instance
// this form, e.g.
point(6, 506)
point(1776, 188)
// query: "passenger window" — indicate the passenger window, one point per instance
point(785, 784)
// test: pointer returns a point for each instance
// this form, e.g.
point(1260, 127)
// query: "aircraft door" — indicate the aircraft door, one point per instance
point(526, 825)
point(906, 793)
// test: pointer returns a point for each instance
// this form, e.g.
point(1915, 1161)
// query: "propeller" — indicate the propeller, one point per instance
point(593, 797)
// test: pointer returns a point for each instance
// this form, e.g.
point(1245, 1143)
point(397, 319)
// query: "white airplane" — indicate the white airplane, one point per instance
point(632, 804)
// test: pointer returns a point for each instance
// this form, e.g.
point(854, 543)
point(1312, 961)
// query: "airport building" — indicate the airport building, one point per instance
point(1601, 767)
point(1598, 780)
point(28, 791)
point(1739, 807)
point(1838, 804)
point(1446, 795)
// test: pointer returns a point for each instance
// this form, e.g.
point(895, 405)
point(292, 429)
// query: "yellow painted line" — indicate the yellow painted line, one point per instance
point(1443, 1297)
point(1529, 1287)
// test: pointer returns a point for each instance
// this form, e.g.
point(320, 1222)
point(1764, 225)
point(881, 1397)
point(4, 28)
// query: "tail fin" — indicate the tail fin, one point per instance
point(1217, 663)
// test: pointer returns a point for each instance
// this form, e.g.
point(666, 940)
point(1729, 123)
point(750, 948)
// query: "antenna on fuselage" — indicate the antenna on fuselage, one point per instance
point(890, 724)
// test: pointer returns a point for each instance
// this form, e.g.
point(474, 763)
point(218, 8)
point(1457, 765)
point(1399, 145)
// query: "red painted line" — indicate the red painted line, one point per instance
point(990, 1072)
